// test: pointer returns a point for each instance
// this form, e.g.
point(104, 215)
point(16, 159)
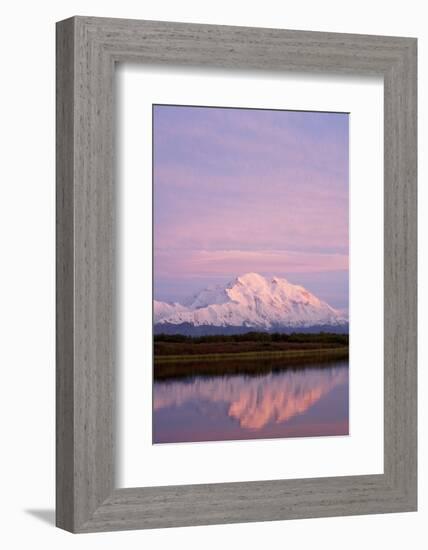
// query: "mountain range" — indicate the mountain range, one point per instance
point(249, 302)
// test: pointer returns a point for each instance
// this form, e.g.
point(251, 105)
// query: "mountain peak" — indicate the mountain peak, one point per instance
point(256, 280)
point(252, 301)
point(250, 279)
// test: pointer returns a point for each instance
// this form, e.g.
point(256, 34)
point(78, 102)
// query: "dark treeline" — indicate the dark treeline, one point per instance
point(294, 337)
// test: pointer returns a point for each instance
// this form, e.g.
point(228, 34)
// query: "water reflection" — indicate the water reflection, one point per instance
point(309, 401)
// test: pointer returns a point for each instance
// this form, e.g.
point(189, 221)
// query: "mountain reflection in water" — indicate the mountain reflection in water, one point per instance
point(290, 403)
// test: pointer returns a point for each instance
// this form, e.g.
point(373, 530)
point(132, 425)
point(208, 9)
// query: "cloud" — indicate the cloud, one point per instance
point(192, 263)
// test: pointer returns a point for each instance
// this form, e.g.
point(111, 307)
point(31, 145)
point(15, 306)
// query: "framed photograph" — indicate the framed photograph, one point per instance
point(236, 274)
point(249, 357)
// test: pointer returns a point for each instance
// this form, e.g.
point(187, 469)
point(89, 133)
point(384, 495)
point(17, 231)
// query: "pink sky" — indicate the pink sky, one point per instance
point(238, 190)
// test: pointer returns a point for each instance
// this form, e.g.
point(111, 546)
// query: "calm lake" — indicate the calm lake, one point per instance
point(311, 400)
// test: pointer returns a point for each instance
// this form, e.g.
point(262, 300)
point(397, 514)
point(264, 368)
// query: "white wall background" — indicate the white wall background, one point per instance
point(27, 272)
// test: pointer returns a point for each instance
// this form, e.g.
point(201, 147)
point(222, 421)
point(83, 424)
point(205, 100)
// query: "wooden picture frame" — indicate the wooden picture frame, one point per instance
point(87, 50)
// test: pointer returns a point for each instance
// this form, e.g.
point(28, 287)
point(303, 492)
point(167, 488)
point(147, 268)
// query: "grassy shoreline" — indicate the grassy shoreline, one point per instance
point(250, 363)
point(339, 352)
point(251, 353)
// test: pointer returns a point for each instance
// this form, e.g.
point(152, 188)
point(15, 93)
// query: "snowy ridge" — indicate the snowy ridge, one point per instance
point(251, 301)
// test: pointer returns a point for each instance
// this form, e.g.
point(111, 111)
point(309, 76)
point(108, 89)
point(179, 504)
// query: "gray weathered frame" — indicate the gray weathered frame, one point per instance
point(87, 50)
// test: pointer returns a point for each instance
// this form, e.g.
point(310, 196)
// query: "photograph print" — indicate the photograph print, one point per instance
point(250, 273)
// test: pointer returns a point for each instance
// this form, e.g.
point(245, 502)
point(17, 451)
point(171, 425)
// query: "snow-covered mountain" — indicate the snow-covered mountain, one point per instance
point(250, 301)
